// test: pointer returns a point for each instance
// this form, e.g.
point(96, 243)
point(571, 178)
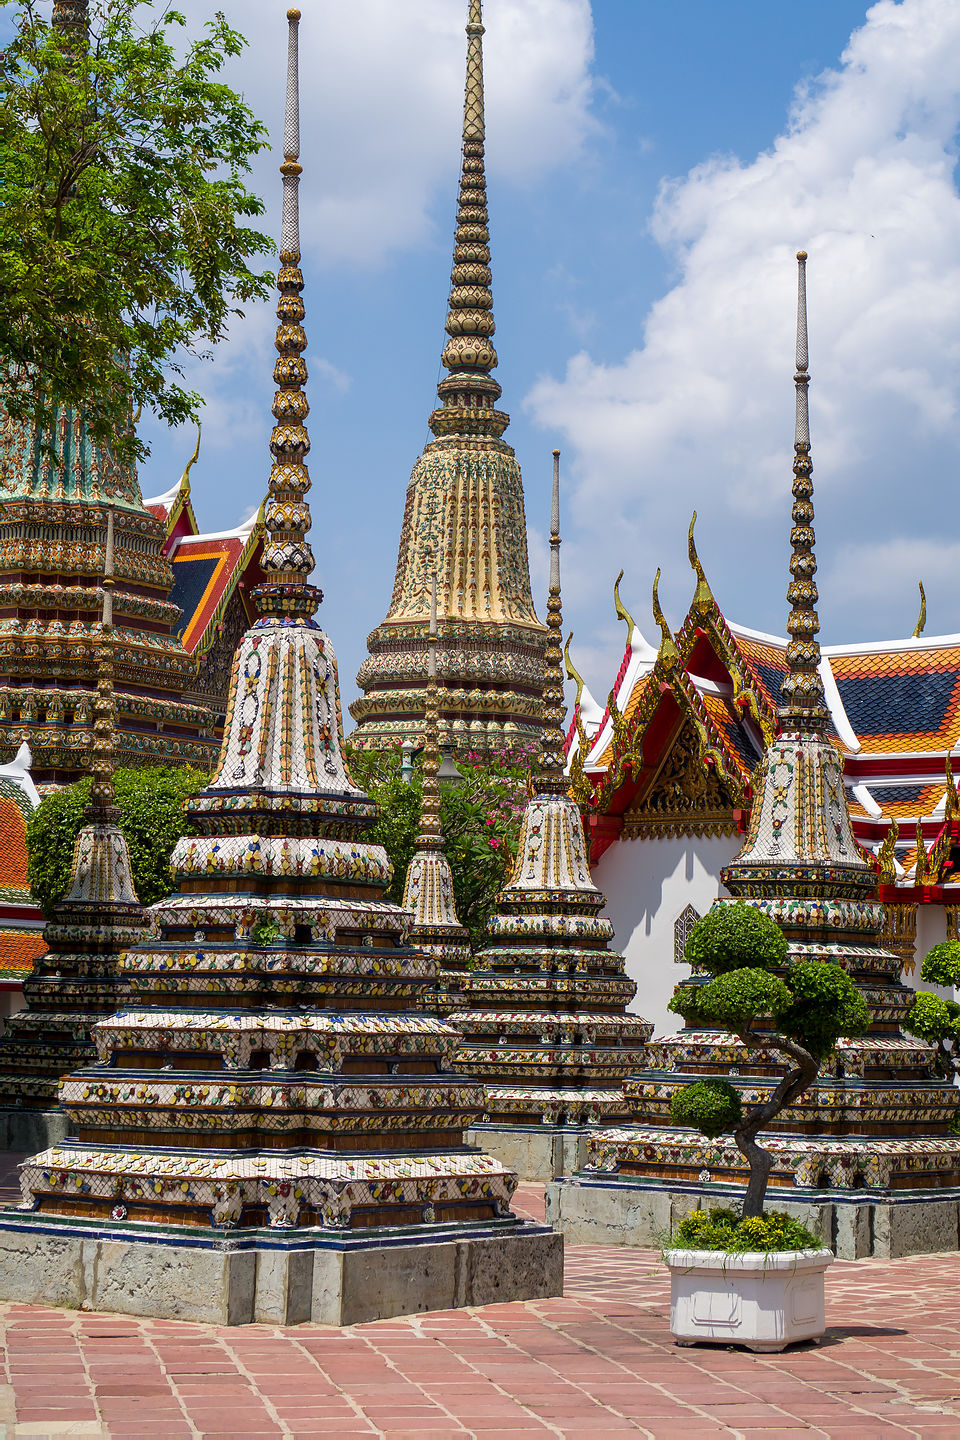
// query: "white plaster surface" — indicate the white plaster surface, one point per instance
point(648, 884)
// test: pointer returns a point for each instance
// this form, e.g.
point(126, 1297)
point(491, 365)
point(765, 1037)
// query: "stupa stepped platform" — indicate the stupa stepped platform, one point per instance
point(286, 1190)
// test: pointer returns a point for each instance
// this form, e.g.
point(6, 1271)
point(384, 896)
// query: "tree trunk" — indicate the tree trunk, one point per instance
point(793, 1084)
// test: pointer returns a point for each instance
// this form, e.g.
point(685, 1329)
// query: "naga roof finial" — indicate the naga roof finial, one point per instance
point(185, 477)
point(287, 557)
point(550, 779)
point(803, 706)
point(469, 392)
point(622, 612)
point(572, 672)
point(918, 629)
point(703, 595)
point(668, 652)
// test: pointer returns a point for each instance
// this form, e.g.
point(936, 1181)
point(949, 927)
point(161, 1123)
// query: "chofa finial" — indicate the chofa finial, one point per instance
point(918, 629)
point(668, 652)
point(622, 612)
point(703, 595)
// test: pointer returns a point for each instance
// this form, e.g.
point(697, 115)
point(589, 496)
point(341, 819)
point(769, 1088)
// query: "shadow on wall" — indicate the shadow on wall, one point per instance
point(653, 887)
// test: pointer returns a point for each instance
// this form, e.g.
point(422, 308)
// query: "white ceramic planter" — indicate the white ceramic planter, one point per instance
point(762, 1300)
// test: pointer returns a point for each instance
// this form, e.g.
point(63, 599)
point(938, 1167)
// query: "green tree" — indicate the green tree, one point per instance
point(150, 803)
point(933, 1018)
point(480, 818)
point(122, 243)
point(801, 1016)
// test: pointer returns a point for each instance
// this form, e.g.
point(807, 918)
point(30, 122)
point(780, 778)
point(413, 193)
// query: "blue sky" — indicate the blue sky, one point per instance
point(652, 169)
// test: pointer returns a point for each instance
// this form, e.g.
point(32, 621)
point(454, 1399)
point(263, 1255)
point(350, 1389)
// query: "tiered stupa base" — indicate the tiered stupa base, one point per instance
point(332, 1274)
point(75, 984)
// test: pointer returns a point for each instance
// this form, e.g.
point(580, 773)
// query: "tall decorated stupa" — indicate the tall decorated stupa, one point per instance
point(274, 1130)
point(543, 1015)
point(867, 1154)
point(463, 521)
point(428, 887)
point(77, 981)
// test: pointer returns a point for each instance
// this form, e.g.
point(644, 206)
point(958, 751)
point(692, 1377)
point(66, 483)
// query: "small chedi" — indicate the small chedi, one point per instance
point(274, 1124)
point(544, 1007)
point(76, 981)
point(463, 521)
point(865, 1155)
point(428, 887)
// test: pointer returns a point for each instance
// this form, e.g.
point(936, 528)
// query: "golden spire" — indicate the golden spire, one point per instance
point(622, 612)
point(803, 705)
point(287, 558)
point(703, 595)
point(469, 393)
point(185, 477)
point(922, 618)
point(102, 793)
point(550, 780)
point(431, 835)
point(668, 652)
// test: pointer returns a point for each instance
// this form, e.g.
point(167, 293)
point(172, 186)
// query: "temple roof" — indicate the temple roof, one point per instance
point(894, 715)
point(207, 568)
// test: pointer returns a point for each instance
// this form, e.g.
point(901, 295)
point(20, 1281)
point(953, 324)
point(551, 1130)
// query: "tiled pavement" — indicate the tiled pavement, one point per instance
point(597, 1363)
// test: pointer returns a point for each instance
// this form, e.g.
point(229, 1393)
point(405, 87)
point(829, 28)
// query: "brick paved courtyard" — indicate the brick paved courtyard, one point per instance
point(598, 1362)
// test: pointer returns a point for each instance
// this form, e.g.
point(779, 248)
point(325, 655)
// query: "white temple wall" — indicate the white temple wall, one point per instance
point(931, 930)
point(648, 884)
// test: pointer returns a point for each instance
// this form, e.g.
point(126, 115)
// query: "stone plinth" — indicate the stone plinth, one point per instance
point(854, 1224)
point(269, 1278)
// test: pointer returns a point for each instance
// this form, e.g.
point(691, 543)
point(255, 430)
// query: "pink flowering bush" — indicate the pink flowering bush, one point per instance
point(481, 821)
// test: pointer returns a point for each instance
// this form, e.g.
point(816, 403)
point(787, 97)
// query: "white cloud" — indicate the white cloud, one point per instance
point(381, 96)
point(700, 414)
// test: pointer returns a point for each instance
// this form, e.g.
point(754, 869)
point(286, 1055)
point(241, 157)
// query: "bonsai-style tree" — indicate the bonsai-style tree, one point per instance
point(931, 1017)
point(801, 1016)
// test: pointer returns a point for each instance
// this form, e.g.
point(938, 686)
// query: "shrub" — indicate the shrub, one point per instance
point(732, 937)
point(724, 1230)
point(480, 820)
point(150, 805)
point(941, 965)
point(711, 1106)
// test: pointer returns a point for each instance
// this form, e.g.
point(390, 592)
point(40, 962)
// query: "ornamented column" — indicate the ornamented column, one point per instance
point(464, 521)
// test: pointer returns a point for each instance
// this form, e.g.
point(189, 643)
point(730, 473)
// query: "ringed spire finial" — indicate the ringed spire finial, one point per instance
point(431, 835)
point(102, 792)
point(469, 393)
point(287, 557)
point(551, 778)
point(804, 706)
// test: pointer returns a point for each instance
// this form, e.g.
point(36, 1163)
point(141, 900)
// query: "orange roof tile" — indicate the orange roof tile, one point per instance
point(18, 950)
point(13, 846)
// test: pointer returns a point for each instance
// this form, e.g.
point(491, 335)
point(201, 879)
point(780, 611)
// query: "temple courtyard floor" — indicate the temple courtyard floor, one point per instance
point(599, 1362)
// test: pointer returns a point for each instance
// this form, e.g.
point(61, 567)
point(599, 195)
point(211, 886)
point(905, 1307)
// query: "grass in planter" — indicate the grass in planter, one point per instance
point(725, 1230)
